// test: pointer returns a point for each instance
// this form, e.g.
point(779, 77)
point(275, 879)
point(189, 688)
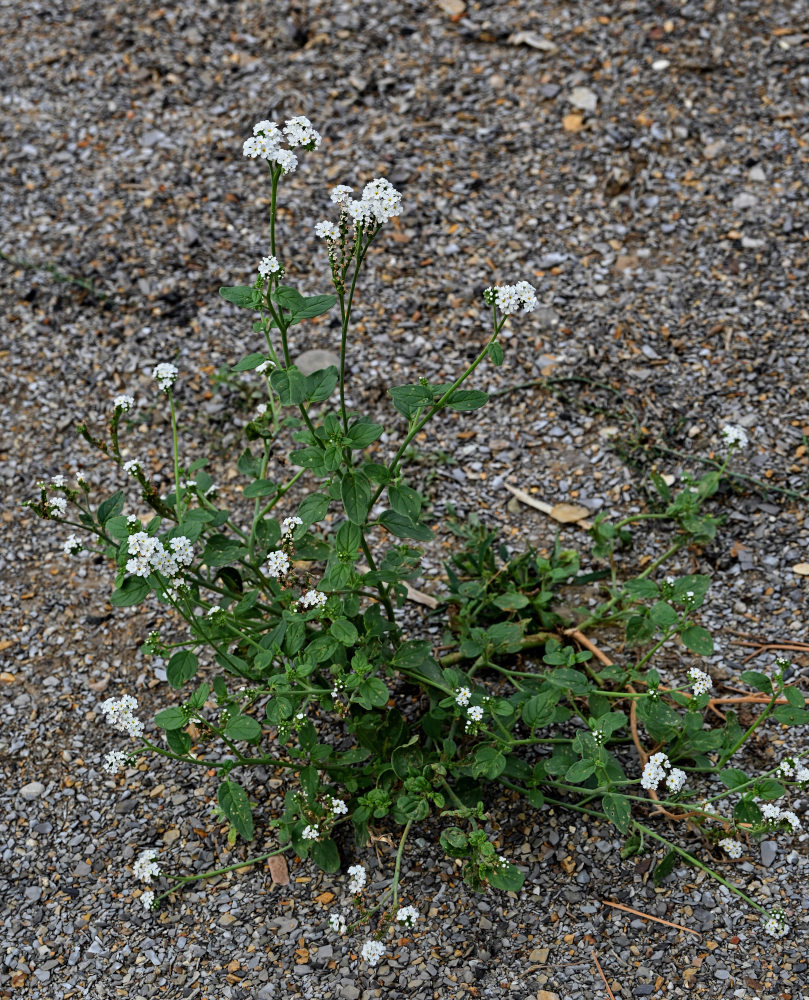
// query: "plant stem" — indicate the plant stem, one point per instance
point(183, 880)
point(175, 449)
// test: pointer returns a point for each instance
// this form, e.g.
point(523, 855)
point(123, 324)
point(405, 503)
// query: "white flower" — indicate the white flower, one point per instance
point(770, 812)
point(510, 298)
point(147, 898)
point(268, 266)
point(72, 545)
point(653, 771)
point(299, 132)
point(260, 369)
point(357, 879)
point(337, 922)
point(313, 599)
point(277, 564)
point(288, 526)
point(786, 815)
point(372, 951)
point(286, 160)
point(183, 549)
point(732, 847)
point(675, 779)
point(802, 774)
point(310, 832)
point(776, 924)
point(57, 505)
point(463, 696)
point(660, 759)
point(327, 230)
point(123, 402)
point(114, 761)
point(338, 807)
point(131, 467)
point(407, 915)
point(476, 713)
point(735, 435)
point(700, 680)
point(133, 519)
point(787, 767)
point(120, 714)
point(145, 868)
point(166, 374)
point(341, 194)
point(58, 481)
point(261, 409)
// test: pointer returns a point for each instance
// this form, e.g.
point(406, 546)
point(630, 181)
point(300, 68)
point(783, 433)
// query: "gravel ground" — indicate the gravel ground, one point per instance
point(644, 165)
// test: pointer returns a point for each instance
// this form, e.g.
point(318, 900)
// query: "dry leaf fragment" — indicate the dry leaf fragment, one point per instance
point(568, 513)
point(279, 872)
point(324, 898)
point(802, 569)
point(419, 597)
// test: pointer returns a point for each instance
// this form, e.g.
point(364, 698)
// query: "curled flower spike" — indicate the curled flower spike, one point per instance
point(509, 298)
point(337, 922)
point(310, 833)
point(58, 481)
point(57, 506)
point(407, 915)
point(463, 696)
point(675, 779)
point(654, 771)
point(277, 564)
point(731, 847)
point(166, 374)
point(146, 868)
point(268, 266)
point(776, 924)
point(114, 761)
point(147, 898)
point(123, 402)
point(701, 681)
point(72, 545)
point(357, 879)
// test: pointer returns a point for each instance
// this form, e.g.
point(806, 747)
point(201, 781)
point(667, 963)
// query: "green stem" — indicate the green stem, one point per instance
point(384, 594)
point(183, 880)
point(175, 449)
point(745, 736)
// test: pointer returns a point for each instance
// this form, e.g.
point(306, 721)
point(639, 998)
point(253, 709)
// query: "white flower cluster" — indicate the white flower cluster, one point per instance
point(147, 898)
point(124, 403)
point(311, 832)
point(357, 879)
point(407, 915)
point(735, 435)
point(166, 374)
point(114, 761)
point(72, 545)
point(120, 714)
point(277, 564)
point(268, 266)
point(476, 713)
point(510, 298)
point(701, 681)
point(732, 847)
point(372, 952)
point(132, 467)
point(265, 366)
point(57, 505)
point(58, 481)
point(380, 201)
point(265, 142)
point(288, 526)
point(145, 868)
point(149, 554)
point(776, 924)
point(337, 922)
point(654, 772)
point(462, 697)
point(313, 599)
point(774, 814)
point(338, 807)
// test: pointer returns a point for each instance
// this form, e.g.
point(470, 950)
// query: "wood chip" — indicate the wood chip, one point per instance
point(561, 512)
point(279, 871)
point(419, 597)
point(568, 513)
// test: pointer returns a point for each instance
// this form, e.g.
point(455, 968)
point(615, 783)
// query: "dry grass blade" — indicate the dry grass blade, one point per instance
point(648, 916)
point(610, 994)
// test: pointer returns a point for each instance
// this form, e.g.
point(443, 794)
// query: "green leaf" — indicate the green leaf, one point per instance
point(244, 296)
point(732, 777)
point(569, 680)
point(511, 601)
point(407, 759)
point(362, 433)
point(260, 488)
point(373, 693)
point(409, 399)
point(248, 464)
point(789, 716)
point(639, 629)
point(641, 589)
point(355, 492)
point(222, 551)
point(664, 867)
point(321, 384)
point(403, 527)
point(405, 501)
point(618, 809)
point(249, 363)
point(111, 507)
point(325, 855)
point(663, 614)
point(313, 508)
point(538, 710)
point(467, 399)
point(118, 527)
point(580, 771)
point(496, 355)
point(455, 842)
point(288, 298)
point(769, 789)
point(489, 762)
point(761, 682)
point(698, 640)
point(345, 632)
point(236, 806)
point(661, 486)
point(242, 727)
point(200, 696)
point(171, 718)
point(133, 590)
point(178, 741)
point(507, 878)
point(290, 384)
point(794, 697)
point(181, 668)
point(312, 305)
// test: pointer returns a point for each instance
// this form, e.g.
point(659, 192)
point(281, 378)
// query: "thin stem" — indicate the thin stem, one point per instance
point(383, 592)
point(175, 449)
point(183, 880)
